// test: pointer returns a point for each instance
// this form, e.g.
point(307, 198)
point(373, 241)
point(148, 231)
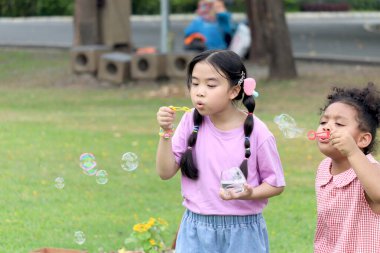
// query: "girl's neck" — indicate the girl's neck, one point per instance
point(228, 119)
point(339, 166)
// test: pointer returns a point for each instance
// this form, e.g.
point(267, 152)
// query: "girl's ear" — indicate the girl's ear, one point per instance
point(364, 140)
point(234, 91)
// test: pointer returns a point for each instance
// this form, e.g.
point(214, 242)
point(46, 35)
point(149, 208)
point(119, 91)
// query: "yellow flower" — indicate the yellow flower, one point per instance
point(140, 228)
point(162, 222)
point(122, 250)
point(150, 222)
point(151, 230)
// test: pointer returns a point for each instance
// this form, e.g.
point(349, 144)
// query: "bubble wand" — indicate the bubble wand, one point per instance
point(180, 108)
point(312, 135)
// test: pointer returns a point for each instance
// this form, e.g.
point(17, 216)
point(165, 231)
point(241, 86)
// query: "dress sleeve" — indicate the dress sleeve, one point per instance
point(181, 134)
point(269, 163)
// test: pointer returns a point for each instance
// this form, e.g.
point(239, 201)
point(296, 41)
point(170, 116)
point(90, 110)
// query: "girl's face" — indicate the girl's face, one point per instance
point(210, 92)
point(337, 117)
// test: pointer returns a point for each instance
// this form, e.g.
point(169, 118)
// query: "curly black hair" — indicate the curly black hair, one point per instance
point(367, 103)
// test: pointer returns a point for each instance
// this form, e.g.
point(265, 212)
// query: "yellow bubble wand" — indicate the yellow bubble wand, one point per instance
point(180, 108)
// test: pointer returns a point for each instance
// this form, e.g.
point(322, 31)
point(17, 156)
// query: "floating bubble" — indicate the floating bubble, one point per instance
point(79, 237)
point(59, 183)
point(87, 161)
point(90, 172)
point(292, 132)
point(129, 161)
point(101, 177)
point(284, 120)
point(288, 126)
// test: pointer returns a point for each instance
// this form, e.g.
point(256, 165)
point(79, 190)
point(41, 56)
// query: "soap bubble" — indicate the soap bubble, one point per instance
point(288, 126)
point(87, 161)
point(129, 161)
point(101, 177)
point(79, 237)
point(90, 172)
point(59, 183)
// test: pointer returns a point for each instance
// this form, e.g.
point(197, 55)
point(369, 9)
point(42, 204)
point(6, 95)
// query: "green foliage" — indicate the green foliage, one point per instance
point(355, 4)
point(17, 8)
point(148, 236)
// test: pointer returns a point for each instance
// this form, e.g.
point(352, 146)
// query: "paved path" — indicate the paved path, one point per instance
point(321, 36)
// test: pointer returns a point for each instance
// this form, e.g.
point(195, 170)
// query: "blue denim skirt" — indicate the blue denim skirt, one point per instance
point(222, 234)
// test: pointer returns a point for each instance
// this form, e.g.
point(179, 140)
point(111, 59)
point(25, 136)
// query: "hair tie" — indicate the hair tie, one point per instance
point(247, 138)
point(247, 149)
point(195, 129)
point(189, 148)
point(249, 86)
point(250, 113)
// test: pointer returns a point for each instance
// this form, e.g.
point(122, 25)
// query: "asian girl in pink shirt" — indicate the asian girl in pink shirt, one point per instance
point(217, 134)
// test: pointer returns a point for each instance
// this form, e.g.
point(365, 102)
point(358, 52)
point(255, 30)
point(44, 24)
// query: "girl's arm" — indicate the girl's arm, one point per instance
point(166, 165)
point(165, 162)
point(368, 173)
point(262, 191)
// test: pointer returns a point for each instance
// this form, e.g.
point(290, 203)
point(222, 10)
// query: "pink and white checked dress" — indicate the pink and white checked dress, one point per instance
point(345, 223)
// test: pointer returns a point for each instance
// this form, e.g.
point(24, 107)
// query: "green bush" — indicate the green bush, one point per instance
point(355, 4)
point(20, 8)
point(23, 8)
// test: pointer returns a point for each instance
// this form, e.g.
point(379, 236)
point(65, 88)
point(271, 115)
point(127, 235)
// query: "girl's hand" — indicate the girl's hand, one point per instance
point(230, 194)
point(344, 142)
point(165, 117)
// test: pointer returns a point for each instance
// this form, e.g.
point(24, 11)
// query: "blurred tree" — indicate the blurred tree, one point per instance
point(270, 38)
point(86, 22)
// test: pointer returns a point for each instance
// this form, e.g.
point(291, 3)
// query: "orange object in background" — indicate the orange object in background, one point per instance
point(194, 36)
point(146, 50)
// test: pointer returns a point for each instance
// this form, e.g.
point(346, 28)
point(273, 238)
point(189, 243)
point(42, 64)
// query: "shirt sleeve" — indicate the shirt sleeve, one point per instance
point(181, 135)
point(194, 27)
point(269, 163)
point(225, 22)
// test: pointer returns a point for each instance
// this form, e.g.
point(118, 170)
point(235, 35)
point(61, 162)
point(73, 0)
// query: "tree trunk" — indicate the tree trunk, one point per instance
point(86, 23)
point(258, 50)
point(282, 65)
point(271, 36)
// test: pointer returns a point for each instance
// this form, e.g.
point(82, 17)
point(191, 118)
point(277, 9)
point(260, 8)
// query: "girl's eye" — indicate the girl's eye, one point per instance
point(211, 85)
point(339, 124)
point(322, 122)
point(194, 84)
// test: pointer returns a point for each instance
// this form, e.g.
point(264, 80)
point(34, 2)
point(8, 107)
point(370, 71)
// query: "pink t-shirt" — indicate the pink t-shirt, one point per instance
point(216, 150)
point(345, 221)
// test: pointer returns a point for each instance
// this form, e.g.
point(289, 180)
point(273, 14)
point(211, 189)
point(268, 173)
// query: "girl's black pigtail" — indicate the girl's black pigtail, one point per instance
point(188, 168)
point(249, 103)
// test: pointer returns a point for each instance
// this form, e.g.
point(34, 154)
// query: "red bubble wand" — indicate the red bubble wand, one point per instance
point(312, 135)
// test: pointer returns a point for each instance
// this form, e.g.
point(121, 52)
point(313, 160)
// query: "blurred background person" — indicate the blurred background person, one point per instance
point(212, 28)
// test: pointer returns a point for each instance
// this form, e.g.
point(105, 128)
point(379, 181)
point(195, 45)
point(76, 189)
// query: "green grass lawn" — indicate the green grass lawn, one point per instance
point(45, 126)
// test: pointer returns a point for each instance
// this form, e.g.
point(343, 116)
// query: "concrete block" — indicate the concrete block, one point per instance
point(86, 58)
point(177, 64)
point(148, 66)
point(114, 67)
